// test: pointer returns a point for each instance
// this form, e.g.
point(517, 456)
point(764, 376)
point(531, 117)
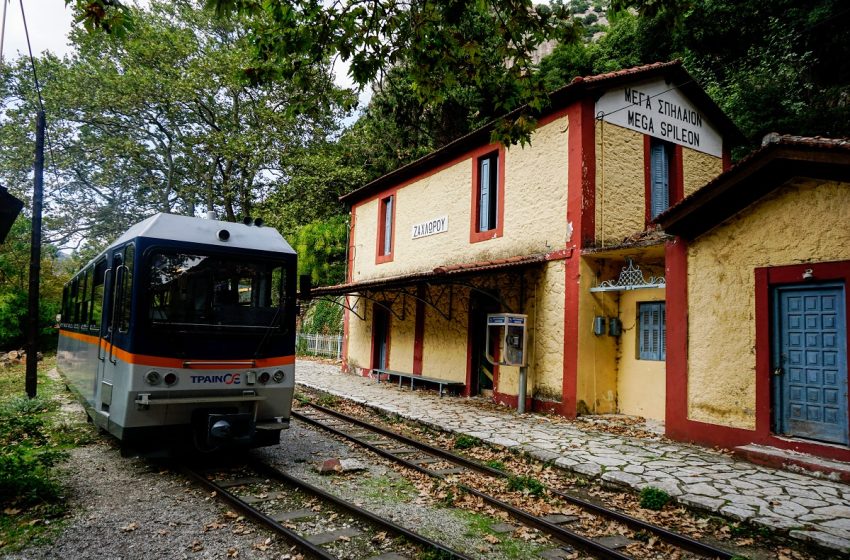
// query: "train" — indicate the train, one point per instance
point(180, 335)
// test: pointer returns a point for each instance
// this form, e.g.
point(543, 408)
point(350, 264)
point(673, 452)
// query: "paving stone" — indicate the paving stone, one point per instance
point(609, 461)
point(738, 513)
point(634, 469)
point(785, 508)
point(842, 523)
point(504, 441)
point(823, 539)
point(702, 489)
point(563, 462)
point(701, 502)
point(620, 477)
point(833, 511)
point(776, 522)
point(741, 501)
point(588, 469)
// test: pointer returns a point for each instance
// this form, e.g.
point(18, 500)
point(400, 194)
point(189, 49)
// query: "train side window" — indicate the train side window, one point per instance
point(126, 290)
point(83, 305)
point(97, 295)
point(72, 303)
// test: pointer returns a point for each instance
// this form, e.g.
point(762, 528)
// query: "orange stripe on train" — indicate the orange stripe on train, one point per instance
point(177, 363)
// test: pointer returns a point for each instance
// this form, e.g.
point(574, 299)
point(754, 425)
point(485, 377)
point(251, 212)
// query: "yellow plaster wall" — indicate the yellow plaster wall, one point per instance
point(620, 183)
point(360, 336)
point(597, 360)
point(534, 216)
point(445, 342)
point(546, 373)
point(641, 384)
point(402, 335)
point(698, 169)
point(721, 289)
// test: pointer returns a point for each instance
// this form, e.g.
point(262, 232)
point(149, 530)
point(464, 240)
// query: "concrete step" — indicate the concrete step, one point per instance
point(794, 461)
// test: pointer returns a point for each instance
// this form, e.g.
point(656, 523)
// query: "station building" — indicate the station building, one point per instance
point(757, 306)
point(561, 230)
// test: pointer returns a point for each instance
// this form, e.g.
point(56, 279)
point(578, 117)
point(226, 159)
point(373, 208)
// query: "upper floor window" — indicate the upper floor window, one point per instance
point(386, 219)
point(652, 331)
point(488, 192)
point(487, 196)
point(660, 157)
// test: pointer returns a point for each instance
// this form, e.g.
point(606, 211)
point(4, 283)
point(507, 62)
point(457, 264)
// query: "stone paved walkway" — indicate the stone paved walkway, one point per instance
point(810, 509)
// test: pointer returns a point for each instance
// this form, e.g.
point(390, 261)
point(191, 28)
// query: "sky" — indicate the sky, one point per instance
point(49, 22)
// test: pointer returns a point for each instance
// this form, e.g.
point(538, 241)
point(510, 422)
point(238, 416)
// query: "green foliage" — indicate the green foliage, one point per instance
point(525, 484)
point(463, 441)
point(496, 464)
point(25, 456)
point(14, 276)
point(327, 400)
point(321, 250)
point(653, 498)
point(323, 317)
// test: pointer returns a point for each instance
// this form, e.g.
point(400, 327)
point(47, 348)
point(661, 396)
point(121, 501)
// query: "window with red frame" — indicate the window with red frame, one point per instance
point(385, 247)
point(488, 192)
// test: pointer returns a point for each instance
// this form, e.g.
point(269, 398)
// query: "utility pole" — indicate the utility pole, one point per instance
point(35, 258)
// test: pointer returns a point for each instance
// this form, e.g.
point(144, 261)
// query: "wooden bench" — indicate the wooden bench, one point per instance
point(441, 383)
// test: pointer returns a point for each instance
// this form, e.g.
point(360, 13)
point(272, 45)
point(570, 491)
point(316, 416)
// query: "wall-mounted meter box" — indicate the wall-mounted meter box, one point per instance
point(507, 335)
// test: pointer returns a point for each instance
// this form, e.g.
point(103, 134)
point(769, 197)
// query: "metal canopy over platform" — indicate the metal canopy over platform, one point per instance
point(440, 282)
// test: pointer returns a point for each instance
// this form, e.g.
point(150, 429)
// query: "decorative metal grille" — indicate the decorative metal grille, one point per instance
point(631, 278)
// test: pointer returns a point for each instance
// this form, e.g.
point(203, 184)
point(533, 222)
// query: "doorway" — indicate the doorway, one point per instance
point(483, 374)
point(810, 362)
point(380, 336)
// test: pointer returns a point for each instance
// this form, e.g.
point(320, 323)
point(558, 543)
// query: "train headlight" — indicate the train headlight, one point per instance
point(264, 377)
point(170, 378)
point(153, 377)
point(278, 376)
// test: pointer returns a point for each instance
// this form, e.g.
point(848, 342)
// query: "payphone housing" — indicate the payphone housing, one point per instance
point(507, 332)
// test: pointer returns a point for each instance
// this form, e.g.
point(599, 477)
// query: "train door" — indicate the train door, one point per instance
point(98, 326)
point(117, 283)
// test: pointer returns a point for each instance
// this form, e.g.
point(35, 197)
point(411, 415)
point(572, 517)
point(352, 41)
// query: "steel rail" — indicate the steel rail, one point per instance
point(356, 510)
point(566, 535)
point(667, 535)
point(292, 536)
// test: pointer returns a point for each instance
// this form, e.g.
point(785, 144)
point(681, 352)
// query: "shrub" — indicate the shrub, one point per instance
point(653, 498)
point(495, 464)
point(525, 484)
point(464, 441)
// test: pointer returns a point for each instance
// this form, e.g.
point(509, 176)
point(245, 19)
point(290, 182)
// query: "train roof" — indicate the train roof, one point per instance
point(172, 227)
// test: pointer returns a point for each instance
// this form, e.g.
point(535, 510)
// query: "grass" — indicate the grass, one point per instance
point(478, 524)
point(653, 498)
point(35, 437)
point(463, 441)
point(388, 489)
point(525, 484)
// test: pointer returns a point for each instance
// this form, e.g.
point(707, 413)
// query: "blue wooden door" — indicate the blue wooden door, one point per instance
point(810, 362)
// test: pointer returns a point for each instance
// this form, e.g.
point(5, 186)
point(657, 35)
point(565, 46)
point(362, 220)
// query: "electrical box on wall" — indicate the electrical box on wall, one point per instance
point(507, 336)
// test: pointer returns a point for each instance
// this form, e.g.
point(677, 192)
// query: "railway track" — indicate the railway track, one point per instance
point(441, 464)
point(318, 523)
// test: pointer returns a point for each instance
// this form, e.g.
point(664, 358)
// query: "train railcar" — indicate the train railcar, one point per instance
point(182, 334)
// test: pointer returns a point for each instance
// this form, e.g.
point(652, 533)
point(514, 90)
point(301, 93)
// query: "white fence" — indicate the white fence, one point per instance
point(329, 345)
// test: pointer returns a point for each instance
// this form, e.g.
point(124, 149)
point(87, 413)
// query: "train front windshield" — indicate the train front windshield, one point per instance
point(195, 290)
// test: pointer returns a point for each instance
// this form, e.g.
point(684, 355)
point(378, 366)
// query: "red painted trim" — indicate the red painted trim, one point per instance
point(678, 426)
point(676, 273)
point(677, 176)
point(379, 241)
point(476, 236)
point(512, 400)
point(647, 180)
point(552, 117)
point(419, 330)
point(581, 215)
point(727, 157)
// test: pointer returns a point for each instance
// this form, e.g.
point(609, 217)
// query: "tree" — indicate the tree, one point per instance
point(161, 118)
point(442, 43)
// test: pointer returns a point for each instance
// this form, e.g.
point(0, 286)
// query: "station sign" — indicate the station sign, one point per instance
point(430, 227)
point(660, 110)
